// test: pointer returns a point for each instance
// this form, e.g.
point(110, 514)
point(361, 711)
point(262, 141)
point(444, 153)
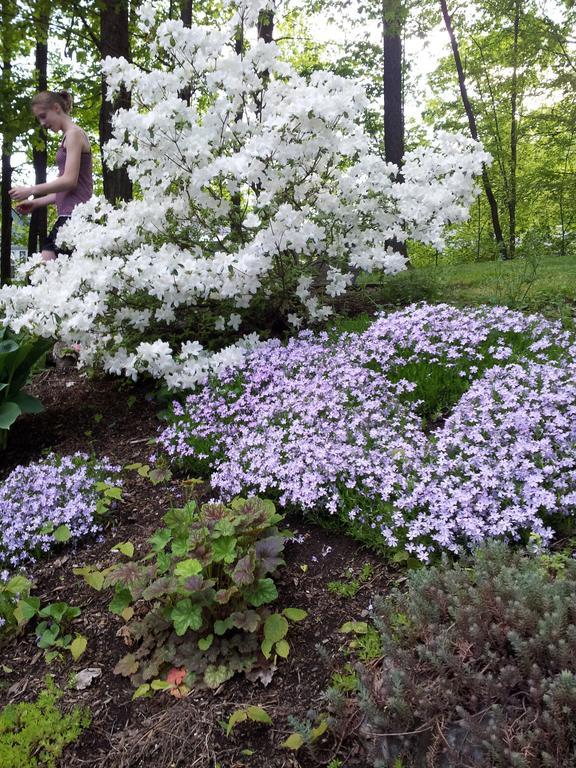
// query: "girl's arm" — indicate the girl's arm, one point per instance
point(31, 205)
point(68, 180)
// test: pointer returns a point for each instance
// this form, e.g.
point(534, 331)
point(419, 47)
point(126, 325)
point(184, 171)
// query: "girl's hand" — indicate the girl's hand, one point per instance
point(25, 207)
point(20, 193)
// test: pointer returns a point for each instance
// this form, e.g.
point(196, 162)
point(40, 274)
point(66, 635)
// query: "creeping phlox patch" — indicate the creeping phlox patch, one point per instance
point(47, 502)
point(247, 183)
point(435, 428)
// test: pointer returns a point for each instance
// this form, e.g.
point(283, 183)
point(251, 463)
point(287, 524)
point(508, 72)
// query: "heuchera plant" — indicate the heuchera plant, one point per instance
point(198, 603)
point(51, 501)
point(257, 186)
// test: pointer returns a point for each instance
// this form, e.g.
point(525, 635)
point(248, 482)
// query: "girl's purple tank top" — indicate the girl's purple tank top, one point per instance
point(82, 192)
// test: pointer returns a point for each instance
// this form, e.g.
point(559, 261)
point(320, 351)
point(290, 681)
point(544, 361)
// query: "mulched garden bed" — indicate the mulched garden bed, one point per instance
point(106, 417)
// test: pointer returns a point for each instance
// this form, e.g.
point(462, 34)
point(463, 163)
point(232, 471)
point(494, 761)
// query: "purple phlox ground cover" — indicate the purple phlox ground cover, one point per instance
point(327, 423)
point(38, 498)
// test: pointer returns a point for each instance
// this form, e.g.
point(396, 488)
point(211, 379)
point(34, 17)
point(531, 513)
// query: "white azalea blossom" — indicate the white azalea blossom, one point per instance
point(251, 180)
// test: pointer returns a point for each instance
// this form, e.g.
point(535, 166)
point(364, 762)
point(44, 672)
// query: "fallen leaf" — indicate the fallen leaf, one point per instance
point(86, 677)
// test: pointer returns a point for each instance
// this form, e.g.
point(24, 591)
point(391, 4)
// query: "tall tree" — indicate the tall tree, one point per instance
point(393, 19)
point(494, 212)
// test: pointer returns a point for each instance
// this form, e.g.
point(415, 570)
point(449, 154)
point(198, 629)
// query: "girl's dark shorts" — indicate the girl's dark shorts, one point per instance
point(50, 243)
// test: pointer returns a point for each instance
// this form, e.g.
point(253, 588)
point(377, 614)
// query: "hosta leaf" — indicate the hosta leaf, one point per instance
point(275, 628)
point(295, 614)
point(127, 666)
point(9, 412)
point(243, 573)
point(186, 615)
point(214, 676)
point(264, 591)
point(28, 403)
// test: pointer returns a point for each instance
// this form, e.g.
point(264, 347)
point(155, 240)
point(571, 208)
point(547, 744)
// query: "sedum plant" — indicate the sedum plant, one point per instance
point(199, 601)
point(478, 665)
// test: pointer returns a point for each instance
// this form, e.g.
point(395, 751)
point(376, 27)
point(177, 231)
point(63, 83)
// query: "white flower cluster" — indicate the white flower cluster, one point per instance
point(251, 180)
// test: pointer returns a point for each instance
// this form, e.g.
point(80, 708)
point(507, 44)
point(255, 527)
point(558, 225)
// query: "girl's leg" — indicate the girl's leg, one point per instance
point(48, 255)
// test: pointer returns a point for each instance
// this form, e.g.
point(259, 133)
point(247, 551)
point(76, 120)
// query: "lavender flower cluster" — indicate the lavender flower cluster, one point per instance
point(320, 424)
point(38, 498)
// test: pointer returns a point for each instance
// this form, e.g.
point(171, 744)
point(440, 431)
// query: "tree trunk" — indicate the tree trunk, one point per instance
point(114, 41)
point(512, 194)
point(6, 234)
point(7, 140)
point(39, 220)
point(392, 26)
point(186, 13)
point(498, 235)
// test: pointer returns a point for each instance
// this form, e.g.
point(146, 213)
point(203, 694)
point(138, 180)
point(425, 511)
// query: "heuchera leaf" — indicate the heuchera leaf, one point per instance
point(243, 573)
point(127, 666)
point(186, 615)
point(248, 620)
point(224, 549)
point(215, 676)
point(223, 596)
point(264, 591)
point(186, 568)
point(267, 551)
point(120, 601)
point(160, 587)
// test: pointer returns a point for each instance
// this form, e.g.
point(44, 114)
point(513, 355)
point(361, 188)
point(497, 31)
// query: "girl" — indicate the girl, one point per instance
point(74, 159)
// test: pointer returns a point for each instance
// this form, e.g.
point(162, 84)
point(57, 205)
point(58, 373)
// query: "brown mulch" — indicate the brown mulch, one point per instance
point(105, 417)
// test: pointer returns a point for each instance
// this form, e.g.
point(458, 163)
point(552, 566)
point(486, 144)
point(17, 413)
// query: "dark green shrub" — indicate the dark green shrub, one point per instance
point(478, 666)
point(198, 603)
point(35, 733)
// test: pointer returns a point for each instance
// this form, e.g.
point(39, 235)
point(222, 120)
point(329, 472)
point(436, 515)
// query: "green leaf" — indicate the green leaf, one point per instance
point(186, 568)
point(356, 627)
point(224, 549)
point(126, 547)
point(215, 676)
point(160, 539)
point(127, 666)
point(26, 608)
point(222, 625)
point(205, 642)
point(239, 716)
point(181, 546)
point(9, 412)
point(282, 649)
point(295, 614)
point(27, 403)
point(275, 628)
point(158, 475)
point(120, 601)
point(259, 715)
point(143, 470)
point(319, 730)
point(112, 492)
point(264, 591)
point(266, 648)
point(78, 646)
point(18, 584)
point(94, 579)
point(142, 690)
point(293, 742)
point(185, 615)
point(62, 533)
point(160, 685)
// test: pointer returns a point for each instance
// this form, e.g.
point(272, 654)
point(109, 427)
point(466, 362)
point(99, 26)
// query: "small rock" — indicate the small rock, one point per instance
point(86, 677)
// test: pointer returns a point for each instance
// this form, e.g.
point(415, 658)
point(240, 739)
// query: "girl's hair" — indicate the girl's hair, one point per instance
point(48, 98)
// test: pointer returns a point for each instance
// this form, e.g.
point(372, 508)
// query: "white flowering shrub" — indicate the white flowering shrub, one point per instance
point(255, 187)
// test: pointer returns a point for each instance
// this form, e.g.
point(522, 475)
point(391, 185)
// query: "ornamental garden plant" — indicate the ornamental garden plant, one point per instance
point(433, 430)
point(260, 193)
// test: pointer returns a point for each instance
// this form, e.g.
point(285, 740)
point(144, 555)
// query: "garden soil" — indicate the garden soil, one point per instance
point(109, 418)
